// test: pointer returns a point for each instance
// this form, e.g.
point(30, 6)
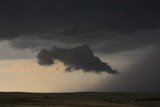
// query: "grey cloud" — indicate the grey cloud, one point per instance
point(8, 52)
point(37, 44)
point(120, 43)
point(107, 42)
point(76, 58)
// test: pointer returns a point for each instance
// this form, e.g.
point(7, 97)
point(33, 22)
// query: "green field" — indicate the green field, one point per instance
point(86, 99)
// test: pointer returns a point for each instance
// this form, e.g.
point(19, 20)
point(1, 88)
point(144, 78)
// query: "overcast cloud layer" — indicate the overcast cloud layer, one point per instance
point(106, 25)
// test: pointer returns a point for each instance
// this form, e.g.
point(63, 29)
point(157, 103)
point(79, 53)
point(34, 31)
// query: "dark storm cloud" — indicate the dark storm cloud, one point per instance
point(118, 15)
point(112, 23)
point(45, 57)
point(76, 58)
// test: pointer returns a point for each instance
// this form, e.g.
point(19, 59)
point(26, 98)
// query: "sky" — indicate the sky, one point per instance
point(80, 45)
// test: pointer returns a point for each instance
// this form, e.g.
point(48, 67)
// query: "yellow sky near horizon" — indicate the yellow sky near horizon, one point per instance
point(27, 75)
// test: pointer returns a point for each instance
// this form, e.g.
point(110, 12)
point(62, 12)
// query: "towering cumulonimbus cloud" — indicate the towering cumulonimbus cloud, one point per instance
point(77, 58)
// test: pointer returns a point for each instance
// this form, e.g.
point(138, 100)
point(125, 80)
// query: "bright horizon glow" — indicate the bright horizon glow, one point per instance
point(25, 75)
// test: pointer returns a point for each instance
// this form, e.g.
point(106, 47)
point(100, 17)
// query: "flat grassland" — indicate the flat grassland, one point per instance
point(81, 99)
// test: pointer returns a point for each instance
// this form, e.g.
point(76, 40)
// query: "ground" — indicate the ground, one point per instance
point(81, 99)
